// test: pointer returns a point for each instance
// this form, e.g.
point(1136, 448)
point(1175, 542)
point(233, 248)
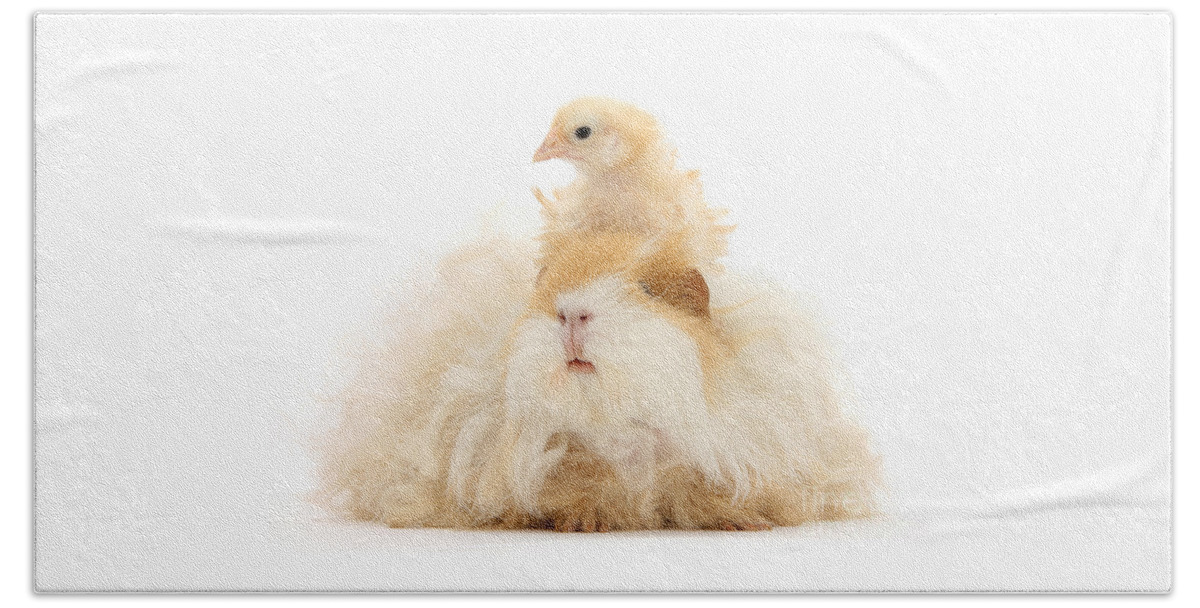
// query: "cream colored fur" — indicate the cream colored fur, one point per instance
point(466, 416)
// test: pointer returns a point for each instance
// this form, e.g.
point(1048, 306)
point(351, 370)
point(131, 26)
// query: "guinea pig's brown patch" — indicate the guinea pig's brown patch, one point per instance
point(665, 273)
point(684, 289)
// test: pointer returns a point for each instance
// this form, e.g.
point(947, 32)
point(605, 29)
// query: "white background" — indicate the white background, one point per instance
point(1181, 160)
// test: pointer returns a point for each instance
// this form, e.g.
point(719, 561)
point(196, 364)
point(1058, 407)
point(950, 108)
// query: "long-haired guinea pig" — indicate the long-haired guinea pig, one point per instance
point(607, 386)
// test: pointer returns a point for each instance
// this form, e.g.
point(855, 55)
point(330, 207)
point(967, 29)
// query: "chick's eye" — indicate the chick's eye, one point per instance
point(583, 132)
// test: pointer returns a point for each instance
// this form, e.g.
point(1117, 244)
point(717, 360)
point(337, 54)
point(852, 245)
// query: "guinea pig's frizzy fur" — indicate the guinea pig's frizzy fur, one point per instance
point(693, 400)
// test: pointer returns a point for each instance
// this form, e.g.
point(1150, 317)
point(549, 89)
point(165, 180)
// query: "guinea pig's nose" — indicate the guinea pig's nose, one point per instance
point(574, 317)
point(574, 331)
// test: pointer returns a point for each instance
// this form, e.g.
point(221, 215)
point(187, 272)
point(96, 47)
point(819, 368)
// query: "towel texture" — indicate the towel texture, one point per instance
point(229, 207)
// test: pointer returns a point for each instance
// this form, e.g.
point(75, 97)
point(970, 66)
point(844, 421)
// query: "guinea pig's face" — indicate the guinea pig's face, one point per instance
point(607, 325)
point(610, 344)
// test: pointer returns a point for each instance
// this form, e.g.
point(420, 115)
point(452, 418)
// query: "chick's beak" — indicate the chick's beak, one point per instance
point(554, 146)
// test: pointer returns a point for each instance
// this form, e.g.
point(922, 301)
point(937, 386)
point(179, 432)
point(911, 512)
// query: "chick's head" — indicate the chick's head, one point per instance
point(597, 134)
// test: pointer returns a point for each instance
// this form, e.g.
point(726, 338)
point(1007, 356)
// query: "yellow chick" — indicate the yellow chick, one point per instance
point(627, 180)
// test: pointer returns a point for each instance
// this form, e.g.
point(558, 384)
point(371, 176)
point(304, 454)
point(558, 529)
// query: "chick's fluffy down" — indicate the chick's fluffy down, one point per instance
point(465, 416)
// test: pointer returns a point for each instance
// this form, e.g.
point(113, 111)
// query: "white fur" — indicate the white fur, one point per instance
point(773, 415)
point(643, 407)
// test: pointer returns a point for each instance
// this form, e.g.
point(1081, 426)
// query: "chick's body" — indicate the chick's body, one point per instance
point(627, 180)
